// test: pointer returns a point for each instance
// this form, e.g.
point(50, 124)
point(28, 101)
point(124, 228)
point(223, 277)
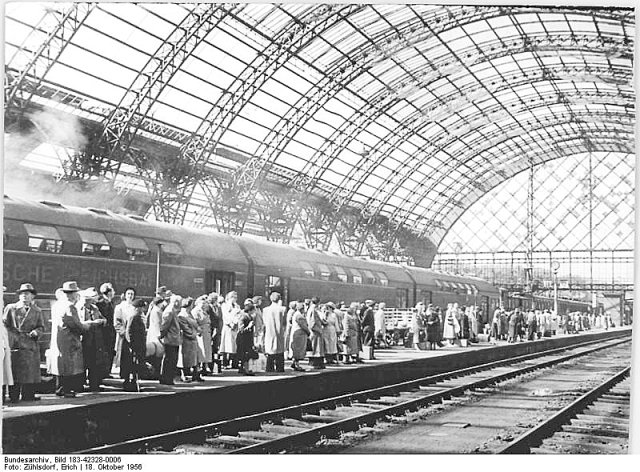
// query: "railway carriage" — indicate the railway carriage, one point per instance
point(46, 243)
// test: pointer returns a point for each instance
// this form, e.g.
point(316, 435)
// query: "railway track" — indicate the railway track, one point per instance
point(298, 426)
point(595, 423)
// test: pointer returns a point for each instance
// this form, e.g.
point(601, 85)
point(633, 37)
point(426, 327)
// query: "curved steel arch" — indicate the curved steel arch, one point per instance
point(125, 121)
point(282, 48)
point(300, 113)
point(461, 211)
point(393, 183)
point(595, 138)
point(354, 128)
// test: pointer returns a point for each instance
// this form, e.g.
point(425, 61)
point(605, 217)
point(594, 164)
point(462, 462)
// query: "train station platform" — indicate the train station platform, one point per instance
point(62, 425)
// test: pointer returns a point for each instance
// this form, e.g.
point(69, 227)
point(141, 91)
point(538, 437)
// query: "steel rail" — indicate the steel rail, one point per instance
point(200, 432)
point(535, 436)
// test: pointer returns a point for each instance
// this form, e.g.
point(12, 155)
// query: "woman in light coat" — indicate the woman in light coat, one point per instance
point(189, 347)
point(121, 313)
point(205, 354)
point(230, 313)
point(315, 322)
point(287, 334)
point(418, 326)
point(349, 335)
point(330, 333)
point(451, 325)
point(299, 335)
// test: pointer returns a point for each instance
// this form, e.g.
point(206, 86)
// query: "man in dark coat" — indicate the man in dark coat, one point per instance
point(25, 324)
point(368, 327)
point(95, 348)
point(106, 306)
point(213, 310)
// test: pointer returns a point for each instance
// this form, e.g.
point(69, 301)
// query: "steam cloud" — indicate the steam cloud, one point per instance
point(61, 129)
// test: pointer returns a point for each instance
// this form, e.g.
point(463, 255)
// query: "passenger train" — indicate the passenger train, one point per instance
point(46, 243)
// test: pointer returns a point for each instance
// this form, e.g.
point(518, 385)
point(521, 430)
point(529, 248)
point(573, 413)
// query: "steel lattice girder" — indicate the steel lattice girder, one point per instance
point(124, 122)
point(19, 90)
point(571, 144)
point(283, 47)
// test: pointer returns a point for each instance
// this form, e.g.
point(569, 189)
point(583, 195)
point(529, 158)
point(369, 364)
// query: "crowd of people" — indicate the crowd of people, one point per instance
point(521, 325)
point(93, 334)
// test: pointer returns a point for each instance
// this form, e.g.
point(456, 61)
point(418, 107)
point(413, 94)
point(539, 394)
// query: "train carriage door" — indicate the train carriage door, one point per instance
point(219, 282)
point(273, 283)
point(402, 297)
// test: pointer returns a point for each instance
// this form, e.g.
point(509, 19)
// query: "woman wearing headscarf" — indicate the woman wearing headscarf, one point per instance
point(349, 334)
point(418, 326)
point(205, 355)
point(433, 327)
point(95, 348)
point(315, 322)
point(230, 313)
point(155, 348)
point(330, 333)
point(244, 339)
point(189, 347)
point(299, 335)
point(451, 325)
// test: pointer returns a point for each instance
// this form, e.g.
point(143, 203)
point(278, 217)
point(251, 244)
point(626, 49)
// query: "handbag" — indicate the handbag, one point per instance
point(254, 354)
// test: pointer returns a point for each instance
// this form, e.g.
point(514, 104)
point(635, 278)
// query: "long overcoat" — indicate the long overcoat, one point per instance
point(204, 338)
point(134, 346)
point(5, 352)
point(330, 333)
point(170, 334)
point(433, 326)
point(21, 322)
point(189, 346)
point(122, 312)
point(107, 308)
point(154, 323)
point(66, 344)
point(315, 326)
point(95, 348)
point(451, 325)
point(230, 314)
point(349, 334)
point(299, 335)
point(275, 324)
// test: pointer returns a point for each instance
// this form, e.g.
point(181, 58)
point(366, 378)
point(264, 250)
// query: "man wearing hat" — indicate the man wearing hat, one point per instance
point(96, 349)
point(368, 329)
point(275, 323)
point(25, 324)
point(67, 361)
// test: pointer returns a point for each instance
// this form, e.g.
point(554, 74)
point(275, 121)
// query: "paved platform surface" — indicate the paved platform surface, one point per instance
point(62, 425)
point(112, 391)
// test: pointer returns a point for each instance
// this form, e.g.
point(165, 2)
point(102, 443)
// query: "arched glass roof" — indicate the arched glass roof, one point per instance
point(410, 112)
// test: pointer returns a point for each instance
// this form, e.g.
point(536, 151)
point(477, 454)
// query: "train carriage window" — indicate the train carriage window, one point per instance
point(383, 278)
point(172, 252)
point(438, 284)
point(356, 277)
point(43, 238)
point(325, 273)
point(94, 243)
point(137, 249)
point(309, 271)
point(369, 278)
point(341, 274)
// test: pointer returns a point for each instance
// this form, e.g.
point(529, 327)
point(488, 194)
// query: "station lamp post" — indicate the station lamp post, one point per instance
point(555, 265)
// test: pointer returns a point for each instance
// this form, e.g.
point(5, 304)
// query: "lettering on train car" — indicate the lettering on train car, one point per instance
point(18, 272)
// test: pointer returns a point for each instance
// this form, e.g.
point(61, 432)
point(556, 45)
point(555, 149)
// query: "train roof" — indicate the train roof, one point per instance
point(194, 242)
